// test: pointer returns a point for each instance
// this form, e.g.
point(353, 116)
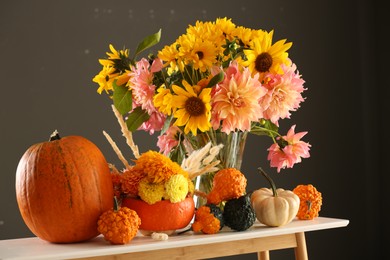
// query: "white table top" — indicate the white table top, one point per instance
point(35, 248)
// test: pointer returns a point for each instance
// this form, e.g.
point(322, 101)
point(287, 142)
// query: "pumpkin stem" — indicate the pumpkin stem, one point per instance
point(54, 136)
point(271, 182)
point(308, 203)
point(116, 204)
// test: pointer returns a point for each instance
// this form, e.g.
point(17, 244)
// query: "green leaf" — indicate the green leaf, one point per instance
point(148, 42)
point(216, 79)
point(136, 118)
point(167, 124)
point(266, 127)
point(123, 100)
point(256, 130)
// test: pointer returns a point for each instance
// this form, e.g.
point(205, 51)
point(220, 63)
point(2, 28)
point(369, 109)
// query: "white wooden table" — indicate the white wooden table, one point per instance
point(258, 238)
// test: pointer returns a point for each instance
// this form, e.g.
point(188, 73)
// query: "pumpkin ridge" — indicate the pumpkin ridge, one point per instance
point(90, 158)
point(97, 175)
point(64, 168)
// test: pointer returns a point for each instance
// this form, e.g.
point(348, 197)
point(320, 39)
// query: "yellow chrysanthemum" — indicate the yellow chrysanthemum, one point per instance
point(176, 188)
point(157, 167)
point(191, 186)
point(105, 79)
point(163, 100)
point(263, 56)
point(150, 192)
point(193, 110)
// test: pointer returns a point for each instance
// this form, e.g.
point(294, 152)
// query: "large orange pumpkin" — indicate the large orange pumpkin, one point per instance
point(162, 215)
point(62, 187)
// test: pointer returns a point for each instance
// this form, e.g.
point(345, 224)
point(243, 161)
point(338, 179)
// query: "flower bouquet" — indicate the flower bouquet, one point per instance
point(214, 84)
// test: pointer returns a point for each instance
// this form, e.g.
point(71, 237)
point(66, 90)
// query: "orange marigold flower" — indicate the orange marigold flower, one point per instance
point(157, 167)
point(311, 201)
point(130, 180)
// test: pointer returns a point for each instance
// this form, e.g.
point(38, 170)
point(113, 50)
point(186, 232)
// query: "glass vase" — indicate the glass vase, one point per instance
point(230, 156)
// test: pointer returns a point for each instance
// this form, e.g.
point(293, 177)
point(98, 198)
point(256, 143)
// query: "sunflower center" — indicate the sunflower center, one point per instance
point(122, 64)
point(194, 106)
point(200, 55)
point(263, 62)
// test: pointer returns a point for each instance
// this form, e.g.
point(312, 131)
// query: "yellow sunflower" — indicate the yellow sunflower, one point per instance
point(169, 54)
point(105, 78)
point(117, 59)
point(163, 100)
point(263, 56)
point(193, 110)
point(226, 26)
point(200, 53)
point(203, 55)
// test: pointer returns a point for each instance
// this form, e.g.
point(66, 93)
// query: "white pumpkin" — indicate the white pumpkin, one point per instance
point(274, 207)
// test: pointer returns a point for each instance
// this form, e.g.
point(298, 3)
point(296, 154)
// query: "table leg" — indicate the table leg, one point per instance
point(263, 255)
point(300, 250)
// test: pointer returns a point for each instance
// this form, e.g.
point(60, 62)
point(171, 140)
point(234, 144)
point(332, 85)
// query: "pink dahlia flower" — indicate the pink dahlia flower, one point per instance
point(235, 102)
point(143, 90)
point(141, 83)
point(155, 122)
point(284, 94)
point(168, 140)
point(287, 156)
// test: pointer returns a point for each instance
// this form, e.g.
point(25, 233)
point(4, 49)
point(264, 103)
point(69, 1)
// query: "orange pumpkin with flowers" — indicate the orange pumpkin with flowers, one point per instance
point(157, 188)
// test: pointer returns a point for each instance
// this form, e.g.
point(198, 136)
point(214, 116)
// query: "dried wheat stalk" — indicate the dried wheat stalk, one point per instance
point(126, 133)
point(117, 151)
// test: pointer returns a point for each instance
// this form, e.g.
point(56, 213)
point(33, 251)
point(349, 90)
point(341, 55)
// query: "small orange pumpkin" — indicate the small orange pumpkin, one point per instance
point(228, 183)
point(311, 201)
point(62, 187)
point(119, 225)
point(162, 215)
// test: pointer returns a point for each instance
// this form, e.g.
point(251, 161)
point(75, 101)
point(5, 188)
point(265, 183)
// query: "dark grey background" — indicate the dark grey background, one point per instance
point(49, 54)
